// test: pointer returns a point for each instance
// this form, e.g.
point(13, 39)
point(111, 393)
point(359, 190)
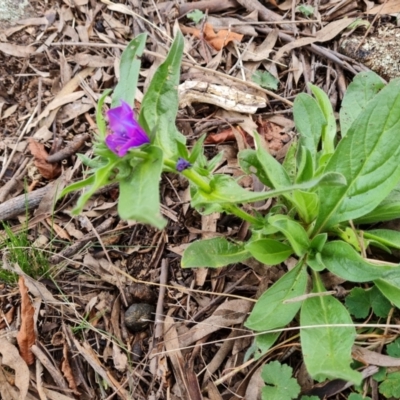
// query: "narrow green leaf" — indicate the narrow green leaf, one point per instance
point(368, 158)
point(225, 190)
point(293, 231)
point(213, 253)
point(160, 102)
point(342, 260)
point(327, 349)
point(129, 71)
point(387, 210)
point(309, 121)
point(305, 170)
point(269, 251)
point(290, 162)
point(100, 121)
point(76, 186)
point(361, 90)
point(390, 288)
point(328, 130)
point(387, 237)
point(139, 195)
point(307, 205)
point(271, 311)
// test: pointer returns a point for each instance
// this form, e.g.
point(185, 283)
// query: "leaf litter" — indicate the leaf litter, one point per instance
point(55, 64)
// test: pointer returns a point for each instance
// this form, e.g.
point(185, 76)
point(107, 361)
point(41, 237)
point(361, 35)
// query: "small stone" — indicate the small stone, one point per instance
point(138, 316)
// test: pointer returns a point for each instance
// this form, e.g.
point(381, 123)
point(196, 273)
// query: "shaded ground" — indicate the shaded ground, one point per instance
point(87, 271)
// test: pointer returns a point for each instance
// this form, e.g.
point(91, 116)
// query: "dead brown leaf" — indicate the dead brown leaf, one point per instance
point(217, 40)
point(15, 50)
point(26, 336)
point(11, 358)
point(47, 170)
point(67, 371)
point(390, 7)
point(327, 33)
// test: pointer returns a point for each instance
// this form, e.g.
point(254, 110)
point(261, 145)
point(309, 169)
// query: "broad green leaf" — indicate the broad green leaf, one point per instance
point(269, 251)
point(309, 121)
point(358, 302)
point(249, 163)
point(160, 102)
point(380, 305)
point(386, 211)
point(225, 190)
point(271, 311)
point(390, 387)
point(196, 16)
point(279, 382)
point(327, 349)
point(387, 237)
point(264, 342)
point(390, 288)
point(393, 349)
point(307, 205)
point(314, 261)
point(213, 253)
point(368, 158)
point(265, 79)
point(293, 231)
point(139, 195)
point(328, 130)
point(361, 90)
point(341, 259)
point(129, 71)
point(100, 121)
point(357, 396)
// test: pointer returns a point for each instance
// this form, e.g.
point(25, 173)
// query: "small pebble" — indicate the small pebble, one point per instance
point(138, 316)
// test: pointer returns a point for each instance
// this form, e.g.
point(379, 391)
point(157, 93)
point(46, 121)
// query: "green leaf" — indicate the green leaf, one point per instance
point(387, 237)
point(357, 396)
point(380, 305)
point(310, 398)
point(368, 158)
point(213, 253)
point(264, 342)
point(387, 210)
point(342, 260)
point(197, 150)
point(305, 170)
point(293, 231)
point(271, 311)
point(358, 302)
point(196, 16)
point(390, 387)
point(160, 102)
point(279, 382)
point(100, 121)
point(129, 71)
point(314, 261)
point(327, 349)
point(307, 205)
point(309, 121)
point(318, 242)
point(305, 9)
point(393, 349)
point(269, 251)
point(290, 162)
point(364, 87)
point(390, 288)
point(265, 79)
point(328, 130)
point(139, 196)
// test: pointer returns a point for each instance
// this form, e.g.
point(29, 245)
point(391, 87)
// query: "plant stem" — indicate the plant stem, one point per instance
point(234, 209)
point(197, 179)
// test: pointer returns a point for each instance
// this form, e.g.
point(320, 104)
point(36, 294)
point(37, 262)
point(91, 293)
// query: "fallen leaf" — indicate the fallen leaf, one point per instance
point(67, 371)
point(26, 335)
point(327, 33)
point(89, 60)
point(390, 7)
point(217, 40)
point(15, 50)
point(11, 358)
point(226, 135)
point(47, 170)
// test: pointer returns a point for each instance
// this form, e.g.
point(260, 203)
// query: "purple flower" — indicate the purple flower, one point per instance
point(126, 132)
point(182, 164)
